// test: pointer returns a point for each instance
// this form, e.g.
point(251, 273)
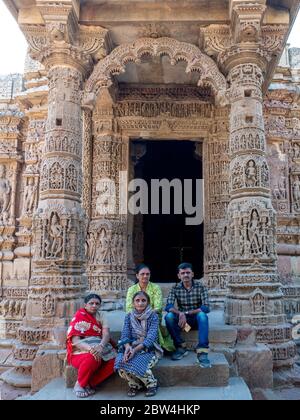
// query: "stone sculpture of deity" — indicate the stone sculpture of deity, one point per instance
point(296, 194)
point(251, 176)
point(56, 237)
point(5, 195)
point(29, 196)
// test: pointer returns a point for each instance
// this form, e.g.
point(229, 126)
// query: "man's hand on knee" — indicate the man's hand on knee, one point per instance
point(182, 320)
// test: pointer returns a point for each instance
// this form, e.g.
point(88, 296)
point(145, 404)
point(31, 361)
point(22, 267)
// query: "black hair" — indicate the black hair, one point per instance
point(140, 267)
point(92, 296)
point(183, 266)
point(141, 292)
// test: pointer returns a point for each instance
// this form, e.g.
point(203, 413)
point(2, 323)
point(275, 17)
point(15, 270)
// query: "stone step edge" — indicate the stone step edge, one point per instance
point(235, 390)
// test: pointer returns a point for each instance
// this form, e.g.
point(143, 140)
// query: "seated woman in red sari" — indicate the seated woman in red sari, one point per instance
point(88, 347)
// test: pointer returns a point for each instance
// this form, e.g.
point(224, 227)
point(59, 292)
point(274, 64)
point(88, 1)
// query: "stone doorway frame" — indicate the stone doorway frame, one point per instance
point(200, 141)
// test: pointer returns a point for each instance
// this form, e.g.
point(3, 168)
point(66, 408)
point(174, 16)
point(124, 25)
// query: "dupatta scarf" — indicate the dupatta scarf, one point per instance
point(82, 325)
point(139, 325)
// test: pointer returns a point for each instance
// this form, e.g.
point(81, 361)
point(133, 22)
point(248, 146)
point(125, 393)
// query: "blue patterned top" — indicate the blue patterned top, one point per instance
point(140, 361)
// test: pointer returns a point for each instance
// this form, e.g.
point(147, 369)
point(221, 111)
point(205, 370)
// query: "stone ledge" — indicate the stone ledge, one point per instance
point(16, 380)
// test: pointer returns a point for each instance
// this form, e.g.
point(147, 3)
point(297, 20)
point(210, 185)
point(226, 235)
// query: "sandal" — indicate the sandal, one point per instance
point(132, 392)
point(81, 394)
point(150, 392)
point(90, 390)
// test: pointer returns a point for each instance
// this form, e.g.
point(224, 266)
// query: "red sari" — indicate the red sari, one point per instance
point(90, 371)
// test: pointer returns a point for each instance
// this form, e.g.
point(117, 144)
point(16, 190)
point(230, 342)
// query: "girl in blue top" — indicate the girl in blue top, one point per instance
point(140, 351)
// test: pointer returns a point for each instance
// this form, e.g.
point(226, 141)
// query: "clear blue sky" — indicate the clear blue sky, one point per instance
point(13, 44)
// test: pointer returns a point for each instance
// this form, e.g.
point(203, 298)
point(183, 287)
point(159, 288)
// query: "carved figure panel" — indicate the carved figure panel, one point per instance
point(61, 174)
point(63, 143)
point(279, 178)
point(107, 164)
point(58, 235)
point(48, 305)
point(107, 244)
point(295, 181)
point(5, 195)
point(12, 308)
point(252, 232)
point(247, 139)
point(295, 150)
point(249, 173)
point(258, 303)
point(30, 196)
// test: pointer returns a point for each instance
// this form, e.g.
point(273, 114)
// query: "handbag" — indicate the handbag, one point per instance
point(108, 352)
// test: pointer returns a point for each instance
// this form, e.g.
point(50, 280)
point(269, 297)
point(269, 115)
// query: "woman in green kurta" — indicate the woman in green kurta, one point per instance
point(156, 302)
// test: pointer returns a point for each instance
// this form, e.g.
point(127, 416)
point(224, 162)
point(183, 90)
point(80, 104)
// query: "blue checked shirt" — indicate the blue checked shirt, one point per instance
point(187, 300)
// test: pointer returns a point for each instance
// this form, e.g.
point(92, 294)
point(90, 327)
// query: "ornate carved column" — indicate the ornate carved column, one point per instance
point(58, 278)
point(107, 233)
point(217, 195)
point(251, 214)
point(11, 127)
point(33, 102)
point(255, 297)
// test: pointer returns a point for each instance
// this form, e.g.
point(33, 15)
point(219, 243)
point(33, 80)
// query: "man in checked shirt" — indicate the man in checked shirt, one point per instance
point(193, 306)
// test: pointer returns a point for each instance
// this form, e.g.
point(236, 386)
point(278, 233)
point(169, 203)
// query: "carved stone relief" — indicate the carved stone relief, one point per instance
point(296, 193)
point(5, 195)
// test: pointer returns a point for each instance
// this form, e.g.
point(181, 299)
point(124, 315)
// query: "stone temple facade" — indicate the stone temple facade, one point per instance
point(103, 81)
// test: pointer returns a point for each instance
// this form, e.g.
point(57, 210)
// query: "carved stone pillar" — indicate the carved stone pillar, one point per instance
point(11, 125)
point(255, 297)
point(33, 101)
point(57, 282)
point(245, 51)
point(217, 195)
point(58, 278)
point(107, 233)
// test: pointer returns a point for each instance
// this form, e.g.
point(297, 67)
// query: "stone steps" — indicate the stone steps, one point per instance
point(184, 372)
point(235, 390)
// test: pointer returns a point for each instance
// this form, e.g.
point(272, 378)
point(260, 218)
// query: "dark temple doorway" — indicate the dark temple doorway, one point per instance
point(163, 241)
